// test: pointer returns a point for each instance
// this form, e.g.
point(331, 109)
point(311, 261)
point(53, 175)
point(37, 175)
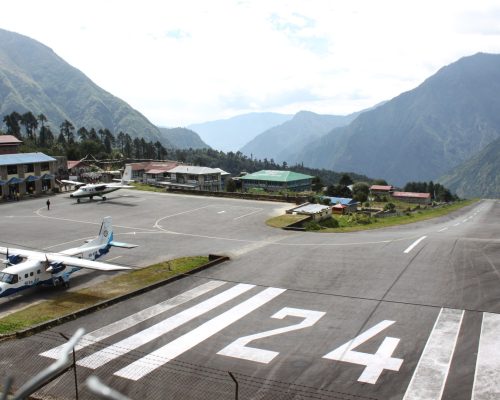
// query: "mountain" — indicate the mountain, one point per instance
point(183, 138)
point(34, 78)
point(233, 133)
point(478, 176)
point(281, 142)
point(420, 134)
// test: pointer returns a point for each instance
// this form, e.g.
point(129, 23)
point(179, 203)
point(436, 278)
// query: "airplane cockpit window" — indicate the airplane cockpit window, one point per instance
point(8, 278)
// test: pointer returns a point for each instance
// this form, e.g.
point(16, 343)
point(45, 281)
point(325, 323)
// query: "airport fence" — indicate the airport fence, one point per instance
point(64, 379)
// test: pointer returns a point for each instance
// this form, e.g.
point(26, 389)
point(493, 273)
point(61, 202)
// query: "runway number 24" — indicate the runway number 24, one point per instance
point(374, 363)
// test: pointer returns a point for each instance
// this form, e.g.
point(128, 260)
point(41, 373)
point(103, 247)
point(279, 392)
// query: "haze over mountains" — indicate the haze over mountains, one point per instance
point(233, 133)
point(281, 142)
point(421, 134)
point(477, 177)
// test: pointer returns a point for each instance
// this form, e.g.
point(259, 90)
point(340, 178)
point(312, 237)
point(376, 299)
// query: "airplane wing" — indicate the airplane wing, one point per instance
point(118, 185)
point(60, 258)
point(83, 263)
point(122, 245)
point(74, 183)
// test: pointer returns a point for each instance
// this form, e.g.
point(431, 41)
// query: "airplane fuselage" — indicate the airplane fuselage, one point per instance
point(30, 273)
point(92, 190)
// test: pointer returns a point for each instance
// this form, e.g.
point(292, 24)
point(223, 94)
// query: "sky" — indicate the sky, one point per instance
point(192, 61)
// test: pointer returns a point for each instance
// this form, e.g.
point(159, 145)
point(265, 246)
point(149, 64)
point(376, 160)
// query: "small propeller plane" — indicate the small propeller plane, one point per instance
point(98, 189)
point(29, 268)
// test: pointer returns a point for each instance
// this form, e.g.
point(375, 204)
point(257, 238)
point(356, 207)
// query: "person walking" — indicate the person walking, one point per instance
point(48, 204)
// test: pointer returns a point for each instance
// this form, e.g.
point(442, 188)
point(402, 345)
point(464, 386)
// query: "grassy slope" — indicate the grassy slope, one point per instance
point(73, 301)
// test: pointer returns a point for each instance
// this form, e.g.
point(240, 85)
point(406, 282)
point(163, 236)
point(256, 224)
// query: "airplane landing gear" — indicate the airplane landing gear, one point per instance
point(78, 200)
point(64, 284)
point(104, 198)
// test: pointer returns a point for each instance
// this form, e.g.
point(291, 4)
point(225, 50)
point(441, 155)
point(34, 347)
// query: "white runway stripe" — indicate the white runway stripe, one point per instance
point(487, 377)
point(164, 354)
point(155, 331)
point(416, 242)
point(138, 317)
point(432, 369)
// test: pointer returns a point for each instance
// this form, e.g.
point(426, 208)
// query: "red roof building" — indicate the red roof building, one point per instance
point(412, 197)
point(9, 144)
point(381, 189)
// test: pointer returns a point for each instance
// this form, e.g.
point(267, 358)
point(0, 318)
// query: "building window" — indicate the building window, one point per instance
point(30, 168)
point(44, 166)
point(11, 169)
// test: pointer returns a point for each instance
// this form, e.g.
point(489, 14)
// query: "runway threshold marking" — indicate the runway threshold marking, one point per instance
point(414, 244)
point(137, 340)
point(136, 318)
point(487, 376)
point(173, 349)
point(429, 377)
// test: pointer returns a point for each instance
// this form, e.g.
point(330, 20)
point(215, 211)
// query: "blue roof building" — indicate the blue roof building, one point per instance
point(26, 173)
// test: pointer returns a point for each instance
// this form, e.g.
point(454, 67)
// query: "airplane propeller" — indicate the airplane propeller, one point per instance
point(6, 261)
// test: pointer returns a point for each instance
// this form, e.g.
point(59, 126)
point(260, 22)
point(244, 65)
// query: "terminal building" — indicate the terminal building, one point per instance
point(276, 181)
point(24, 173)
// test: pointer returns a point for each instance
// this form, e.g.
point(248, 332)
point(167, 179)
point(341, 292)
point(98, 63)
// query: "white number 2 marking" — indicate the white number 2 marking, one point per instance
point(375, 363)
point(239, 348)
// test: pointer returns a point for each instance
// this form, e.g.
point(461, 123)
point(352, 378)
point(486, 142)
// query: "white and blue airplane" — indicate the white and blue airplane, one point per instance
point(91, 190)
point(29, 268)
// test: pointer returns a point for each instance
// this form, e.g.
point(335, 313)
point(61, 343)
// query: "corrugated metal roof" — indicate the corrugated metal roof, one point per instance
point(24, 158)
point(276, 176)
point(9, 139)
point(341, 200)
point(311, 208)
point(190, 169)
point(412, 194)
point(155, 171)
point(381, 187)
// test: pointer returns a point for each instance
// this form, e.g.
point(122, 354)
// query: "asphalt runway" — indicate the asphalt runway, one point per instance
point(410, 312)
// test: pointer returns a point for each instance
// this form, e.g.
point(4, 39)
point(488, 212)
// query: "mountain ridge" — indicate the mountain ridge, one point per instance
point(33, 78)
point(422, 133)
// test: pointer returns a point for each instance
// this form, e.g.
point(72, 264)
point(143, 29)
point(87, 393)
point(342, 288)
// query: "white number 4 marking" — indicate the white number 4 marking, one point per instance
point(374, 363)
point(239, 348)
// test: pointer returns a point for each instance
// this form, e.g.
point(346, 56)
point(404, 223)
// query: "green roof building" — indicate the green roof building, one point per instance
point(275, 181)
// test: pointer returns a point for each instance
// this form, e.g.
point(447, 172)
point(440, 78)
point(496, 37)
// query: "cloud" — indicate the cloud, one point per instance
point(191, 61)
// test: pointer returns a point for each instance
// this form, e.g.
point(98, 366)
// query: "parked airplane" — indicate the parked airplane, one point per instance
point(28, 268)
point(98, 189)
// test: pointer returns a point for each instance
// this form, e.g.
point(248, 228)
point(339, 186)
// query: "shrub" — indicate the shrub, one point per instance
point(330, 223)
point(312, 226)
point(359, 219)
point(389, 207)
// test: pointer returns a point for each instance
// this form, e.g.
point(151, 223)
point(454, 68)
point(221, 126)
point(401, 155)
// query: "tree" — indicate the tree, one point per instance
point(360, 191)
point(66, 129)
point(30, 123)
point(46, 137)
point(317, 185)
point(12, 123)
point(338, 191)
point(83, 134)
point(230, 186)
point(345, 180)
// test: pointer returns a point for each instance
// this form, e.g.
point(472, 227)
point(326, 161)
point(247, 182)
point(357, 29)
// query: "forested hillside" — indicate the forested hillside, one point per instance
point(35, 79)
point(420, 134)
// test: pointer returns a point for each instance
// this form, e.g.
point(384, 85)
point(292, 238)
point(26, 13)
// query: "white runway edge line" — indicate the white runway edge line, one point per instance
point(134, 319)
point(147, 335)
point(415, 243)
point(156, 359)
point(487, 375)
point(429, 378)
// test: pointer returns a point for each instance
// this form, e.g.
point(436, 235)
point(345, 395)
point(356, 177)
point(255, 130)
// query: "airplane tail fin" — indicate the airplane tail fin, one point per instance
point(127, 175)
point(105, 236)
point(105, 233)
